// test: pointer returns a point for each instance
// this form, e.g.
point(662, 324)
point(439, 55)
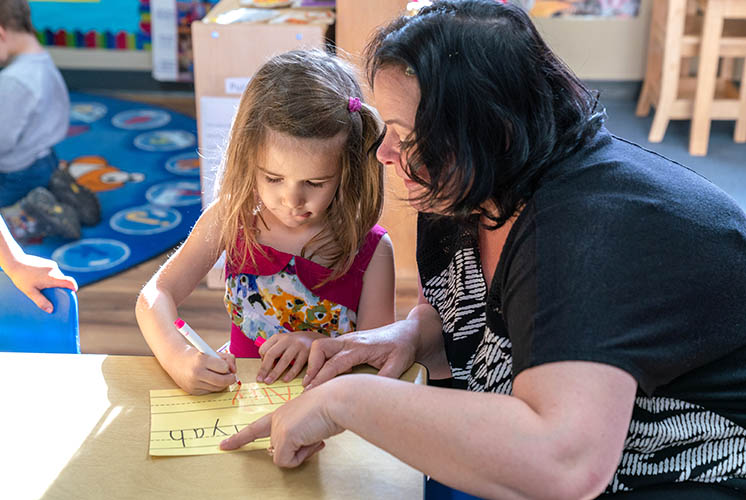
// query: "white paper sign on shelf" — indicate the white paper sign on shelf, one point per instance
point(215, 117)
point(236, 86)
point(165, 39)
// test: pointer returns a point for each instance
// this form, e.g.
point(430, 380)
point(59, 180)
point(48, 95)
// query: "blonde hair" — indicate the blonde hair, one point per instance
point(304, 94)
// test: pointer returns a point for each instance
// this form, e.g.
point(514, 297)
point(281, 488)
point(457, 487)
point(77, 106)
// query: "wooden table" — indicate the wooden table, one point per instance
point(77, 426)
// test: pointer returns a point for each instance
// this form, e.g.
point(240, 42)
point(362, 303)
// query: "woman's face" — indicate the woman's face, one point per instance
point(397, 96)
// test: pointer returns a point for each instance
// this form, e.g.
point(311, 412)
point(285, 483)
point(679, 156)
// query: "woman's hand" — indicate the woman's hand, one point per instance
point(198, 373)
point(391, 349)
point(296, 429)
point(32, 274)
point(285, 351)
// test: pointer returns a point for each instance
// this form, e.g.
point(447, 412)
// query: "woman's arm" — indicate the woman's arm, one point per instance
point(377, 298)
point(560, 435)
point(193, 371)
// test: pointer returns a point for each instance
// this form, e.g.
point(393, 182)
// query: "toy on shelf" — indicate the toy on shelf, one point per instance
point(55, 31)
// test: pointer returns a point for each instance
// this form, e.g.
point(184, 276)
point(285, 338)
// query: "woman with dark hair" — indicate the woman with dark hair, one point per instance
point(583, 295)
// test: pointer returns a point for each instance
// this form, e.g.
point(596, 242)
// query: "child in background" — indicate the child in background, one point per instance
point(34, 116)
point(29, 273)
point(297, 201)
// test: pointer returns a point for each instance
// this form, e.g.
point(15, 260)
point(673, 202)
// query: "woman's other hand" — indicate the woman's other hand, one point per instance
point(391, 349)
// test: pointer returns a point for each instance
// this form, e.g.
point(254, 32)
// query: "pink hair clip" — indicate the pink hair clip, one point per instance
point(354, 104)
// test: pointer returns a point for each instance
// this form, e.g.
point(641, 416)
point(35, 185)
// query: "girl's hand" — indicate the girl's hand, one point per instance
point(198, 373)
point(285, 351)
point(32, 274)
point(297, 428)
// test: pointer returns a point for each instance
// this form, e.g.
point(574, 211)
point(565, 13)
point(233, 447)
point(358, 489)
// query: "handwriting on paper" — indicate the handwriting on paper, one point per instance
point(182, 424)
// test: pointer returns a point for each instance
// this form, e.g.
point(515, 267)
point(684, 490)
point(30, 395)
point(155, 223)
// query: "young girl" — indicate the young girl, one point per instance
point(297, 201)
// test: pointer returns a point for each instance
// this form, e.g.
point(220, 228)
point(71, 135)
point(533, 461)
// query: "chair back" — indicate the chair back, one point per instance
point(26, 328)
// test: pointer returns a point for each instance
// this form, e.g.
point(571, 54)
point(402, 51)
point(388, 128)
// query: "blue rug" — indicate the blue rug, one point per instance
point(142, 163)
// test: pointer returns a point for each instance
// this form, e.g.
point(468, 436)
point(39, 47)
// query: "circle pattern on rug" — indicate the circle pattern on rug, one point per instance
point(184, 164)
point(91, 254)
point(165, 140)
point(87, 112)
point(140, 119)
point(174, 193)
point(145, 219)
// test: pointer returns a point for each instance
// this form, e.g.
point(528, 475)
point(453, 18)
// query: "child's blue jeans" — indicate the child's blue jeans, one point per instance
point(16, 185)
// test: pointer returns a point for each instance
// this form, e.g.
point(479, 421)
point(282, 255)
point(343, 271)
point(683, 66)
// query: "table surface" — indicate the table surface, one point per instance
point(78, 426)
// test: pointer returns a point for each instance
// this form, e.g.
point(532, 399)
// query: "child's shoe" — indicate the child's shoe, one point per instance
point(83, 200)
point(53, 217)
point(24, 228)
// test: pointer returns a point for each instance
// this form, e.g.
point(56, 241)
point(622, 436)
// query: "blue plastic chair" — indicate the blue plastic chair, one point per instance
point(26, 328)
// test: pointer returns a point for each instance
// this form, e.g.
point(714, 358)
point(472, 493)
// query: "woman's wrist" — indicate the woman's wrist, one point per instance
point(340, 397)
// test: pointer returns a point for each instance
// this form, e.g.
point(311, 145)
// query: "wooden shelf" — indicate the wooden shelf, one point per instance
point(82, 58)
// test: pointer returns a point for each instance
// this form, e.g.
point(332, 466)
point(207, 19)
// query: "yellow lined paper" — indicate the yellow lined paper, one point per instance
point(182, 424)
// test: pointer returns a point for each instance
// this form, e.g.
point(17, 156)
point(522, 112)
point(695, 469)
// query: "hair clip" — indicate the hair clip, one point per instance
point(409, 71)
point(354, 104)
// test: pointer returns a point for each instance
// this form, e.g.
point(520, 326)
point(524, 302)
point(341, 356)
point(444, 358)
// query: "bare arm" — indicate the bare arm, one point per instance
point(560, 435)
point(377, 303)
point(156, 311)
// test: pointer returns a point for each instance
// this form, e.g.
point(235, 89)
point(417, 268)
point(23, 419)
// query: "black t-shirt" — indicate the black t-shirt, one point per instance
point(625, 258)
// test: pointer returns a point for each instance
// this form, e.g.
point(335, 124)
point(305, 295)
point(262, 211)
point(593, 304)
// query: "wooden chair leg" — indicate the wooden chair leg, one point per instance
point(739, 135)
point(712, 29)
point(670, 68)
point(652, 68)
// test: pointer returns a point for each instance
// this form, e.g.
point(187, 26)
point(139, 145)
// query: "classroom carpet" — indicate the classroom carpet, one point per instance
point(141, 161)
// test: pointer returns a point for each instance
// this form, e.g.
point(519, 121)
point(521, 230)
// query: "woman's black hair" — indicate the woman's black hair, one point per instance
point(497, 109)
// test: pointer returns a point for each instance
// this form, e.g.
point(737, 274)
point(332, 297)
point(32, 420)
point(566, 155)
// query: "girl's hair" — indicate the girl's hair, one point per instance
point(497, 107)
point(303, 94)
point(15, 15)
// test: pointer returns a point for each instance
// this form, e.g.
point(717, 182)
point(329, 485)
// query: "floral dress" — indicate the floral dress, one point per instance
point(279, 294)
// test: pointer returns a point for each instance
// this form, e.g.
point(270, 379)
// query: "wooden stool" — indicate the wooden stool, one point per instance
point(715, 44)
point(664, 78)
point(675, 30)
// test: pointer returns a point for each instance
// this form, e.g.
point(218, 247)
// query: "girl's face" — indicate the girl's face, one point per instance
point(298, 178)
point(397, 96)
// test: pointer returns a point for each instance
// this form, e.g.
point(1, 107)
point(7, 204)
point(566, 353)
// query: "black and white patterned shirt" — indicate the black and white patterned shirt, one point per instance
point(625, 258)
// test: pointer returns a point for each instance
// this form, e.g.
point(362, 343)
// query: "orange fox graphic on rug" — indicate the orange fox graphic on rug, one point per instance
point(95, 173)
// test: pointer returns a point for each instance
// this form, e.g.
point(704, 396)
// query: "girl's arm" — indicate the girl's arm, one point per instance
point(156, 312)
point(377, 299)
point(31, 274)
point(560, 435)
